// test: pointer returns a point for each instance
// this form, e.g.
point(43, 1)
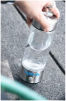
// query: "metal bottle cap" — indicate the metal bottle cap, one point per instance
point(52, 19)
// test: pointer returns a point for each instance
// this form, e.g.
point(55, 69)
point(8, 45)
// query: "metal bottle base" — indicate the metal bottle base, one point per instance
point(31, 76)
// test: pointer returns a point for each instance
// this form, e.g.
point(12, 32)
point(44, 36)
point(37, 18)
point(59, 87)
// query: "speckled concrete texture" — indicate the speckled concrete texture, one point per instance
point(14, 34)
point(58, 45)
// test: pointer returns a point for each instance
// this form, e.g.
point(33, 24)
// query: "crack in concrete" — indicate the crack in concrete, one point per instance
point(56, 61)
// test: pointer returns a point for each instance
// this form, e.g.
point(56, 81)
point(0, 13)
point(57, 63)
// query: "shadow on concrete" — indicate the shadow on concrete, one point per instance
point(64, 1)
point(63, 98)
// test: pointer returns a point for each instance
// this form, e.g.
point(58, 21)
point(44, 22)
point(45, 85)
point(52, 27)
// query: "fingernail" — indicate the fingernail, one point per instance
point(29, 25)
point(47, 29)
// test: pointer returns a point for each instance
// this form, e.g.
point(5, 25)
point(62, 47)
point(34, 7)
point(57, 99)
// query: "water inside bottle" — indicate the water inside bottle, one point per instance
point(35, 60)
point(36, 54)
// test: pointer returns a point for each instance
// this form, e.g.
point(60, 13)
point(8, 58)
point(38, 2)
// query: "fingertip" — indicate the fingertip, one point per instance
point(56, 12)
point(47, 29)
point(29, 21)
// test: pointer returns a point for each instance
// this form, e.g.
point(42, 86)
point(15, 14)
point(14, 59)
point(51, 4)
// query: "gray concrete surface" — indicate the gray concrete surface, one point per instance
point(14, 34)
point(58, 45)
point(13, 41)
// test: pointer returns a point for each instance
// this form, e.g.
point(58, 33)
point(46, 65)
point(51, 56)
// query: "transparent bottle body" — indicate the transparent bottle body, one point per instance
point(37, 50)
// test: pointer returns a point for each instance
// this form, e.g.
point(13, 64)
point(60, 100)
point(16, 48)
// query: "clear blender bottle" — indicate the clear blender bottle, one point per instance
point(37, 50)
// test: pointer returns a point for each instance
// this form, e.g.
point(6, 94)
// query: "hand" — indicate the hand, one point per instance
point(33, 10)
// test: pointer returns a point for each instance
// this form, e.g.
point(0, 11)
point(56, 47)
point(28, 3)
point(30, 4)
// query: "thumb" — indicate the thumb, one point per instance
point(29, 21)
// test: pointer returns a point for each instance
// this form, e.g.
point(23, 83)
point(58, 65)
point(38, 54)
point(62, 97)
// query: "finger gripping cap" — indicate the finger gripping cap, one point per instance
point(52, 19)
